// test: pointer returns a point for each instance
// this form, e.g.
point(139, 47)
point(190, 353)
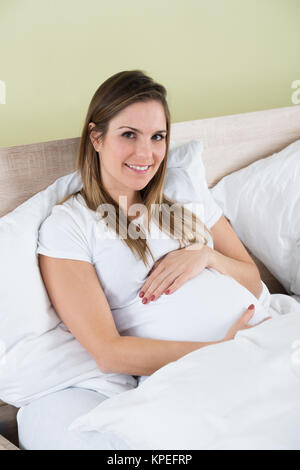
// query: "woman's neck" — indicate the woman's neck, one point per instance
point(136, 199)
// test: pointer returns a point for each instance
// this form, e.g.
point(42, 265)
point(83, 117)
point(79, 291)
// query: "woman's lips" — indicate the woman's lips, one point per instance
point(141, 172)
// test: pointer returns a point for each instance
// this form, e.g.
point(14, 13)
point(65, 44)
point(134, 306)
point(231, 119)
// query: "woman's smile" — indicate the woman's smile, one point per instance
point(141, 170)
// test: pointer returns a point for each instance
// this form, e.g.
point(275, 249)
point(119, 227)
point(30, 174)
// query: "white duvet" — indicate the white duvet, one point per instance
point(241, 394)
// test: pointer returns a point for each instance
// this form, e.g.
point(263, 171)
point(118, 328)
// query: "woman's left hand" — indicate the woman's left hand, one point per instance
point(174, 269)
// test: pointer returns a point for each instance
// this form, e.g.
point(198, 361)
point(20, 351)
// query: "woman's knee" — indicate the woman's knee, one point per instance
point(43, 424)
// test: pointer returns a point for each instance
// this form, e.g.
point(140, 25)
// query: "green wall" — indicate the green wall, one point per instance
point(215, 57)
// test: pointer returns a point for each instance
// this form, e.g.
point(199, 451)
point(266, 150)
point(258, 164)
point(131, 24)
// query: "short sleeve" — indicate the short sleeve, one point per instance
point(61, 236)
point(185, 182)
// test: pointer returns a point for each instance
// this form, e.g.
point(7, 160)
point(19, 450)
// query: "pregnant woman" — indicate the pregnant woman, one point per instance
point(134, 299)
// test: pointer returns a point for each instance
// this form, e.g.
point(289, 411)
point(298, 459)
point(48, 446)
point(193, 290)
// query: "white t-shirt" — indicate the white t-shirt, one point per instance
point(192, 313)
point(74, 231)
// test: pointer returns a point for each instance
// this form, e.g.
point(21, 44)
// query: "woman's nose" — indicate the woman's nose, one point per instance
point(143, 152)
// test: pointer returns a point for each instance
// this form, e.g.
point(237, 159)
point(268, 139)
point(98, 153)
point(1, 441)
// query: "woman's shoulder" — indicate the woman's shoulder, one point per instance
point(71, 217)
point(66, 233)
point(73, 209)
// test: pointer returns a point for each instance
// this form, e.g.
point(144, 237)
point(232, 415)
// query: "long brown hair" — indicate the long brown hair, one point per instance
point(112, 96)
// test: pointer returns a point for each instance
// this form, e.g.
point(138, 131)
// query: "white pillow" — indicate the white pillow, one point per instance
point(185, 181)
point(262, 202)
point(38, 355)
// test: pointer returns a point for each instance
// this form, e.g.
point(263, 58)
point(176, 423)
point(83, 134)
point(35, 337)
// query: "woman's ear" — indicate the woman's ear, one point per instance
point(94, 136)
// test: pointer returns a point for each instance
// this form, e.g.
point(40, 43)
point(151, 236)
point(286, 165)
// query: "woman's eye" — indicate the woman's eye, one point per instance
point(126, 134)
point(160, 135)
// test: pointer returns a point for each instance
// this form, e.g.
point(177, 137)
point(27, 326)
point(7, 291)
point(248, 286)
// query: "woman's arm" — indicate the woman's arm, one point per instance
point(230, 257)
point(142, 356)
point(78, 298)
point(243, 272)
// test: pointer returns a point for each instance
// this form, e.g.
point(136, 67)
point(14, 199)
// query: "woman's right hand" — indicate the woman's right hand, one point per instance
point(242, 323)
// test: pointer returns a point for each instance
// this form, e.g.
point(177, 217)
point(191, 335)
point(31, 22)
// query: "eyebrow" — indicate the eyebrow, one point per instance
point(137, 130)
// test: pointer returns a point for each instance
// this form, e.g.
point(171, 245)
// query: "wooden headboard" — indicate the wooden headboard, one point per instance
point(233, 142)
point(230, 143)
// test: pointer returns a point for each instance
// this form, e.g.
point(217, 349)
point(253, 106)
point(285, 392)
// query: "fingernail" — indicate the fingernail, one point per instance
point(142, 294)
point(145, 300)
point(167, 291)
point(251, 307)
point(152, 297)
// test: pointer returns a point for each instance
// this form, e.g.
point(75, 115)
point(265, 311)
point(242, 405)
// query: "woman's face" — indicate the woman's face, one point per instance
point(145, 145)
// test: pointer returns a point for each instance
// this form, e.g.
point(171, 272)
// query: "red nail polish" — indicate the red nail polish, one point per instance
point(152, 297)
point(251, 307)
point(167, 291)
point(142, 294)
point(145, 300)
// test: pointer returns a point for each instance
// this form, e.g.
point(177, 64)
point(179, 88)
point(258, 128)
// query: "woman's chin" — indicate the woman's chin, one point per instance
point(139, 185)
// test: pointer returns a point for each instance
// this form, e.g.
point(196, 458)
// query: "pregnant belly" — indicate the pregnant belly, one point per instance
point(203, 309)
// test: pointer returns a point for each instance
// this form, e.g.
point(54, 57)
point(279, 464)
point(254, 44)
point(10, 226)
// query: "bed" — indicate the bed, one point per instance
point(230, 143)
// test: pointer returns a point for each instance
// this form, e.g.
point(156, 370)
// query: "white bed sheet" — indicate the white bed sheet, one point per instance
point(241, 394)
